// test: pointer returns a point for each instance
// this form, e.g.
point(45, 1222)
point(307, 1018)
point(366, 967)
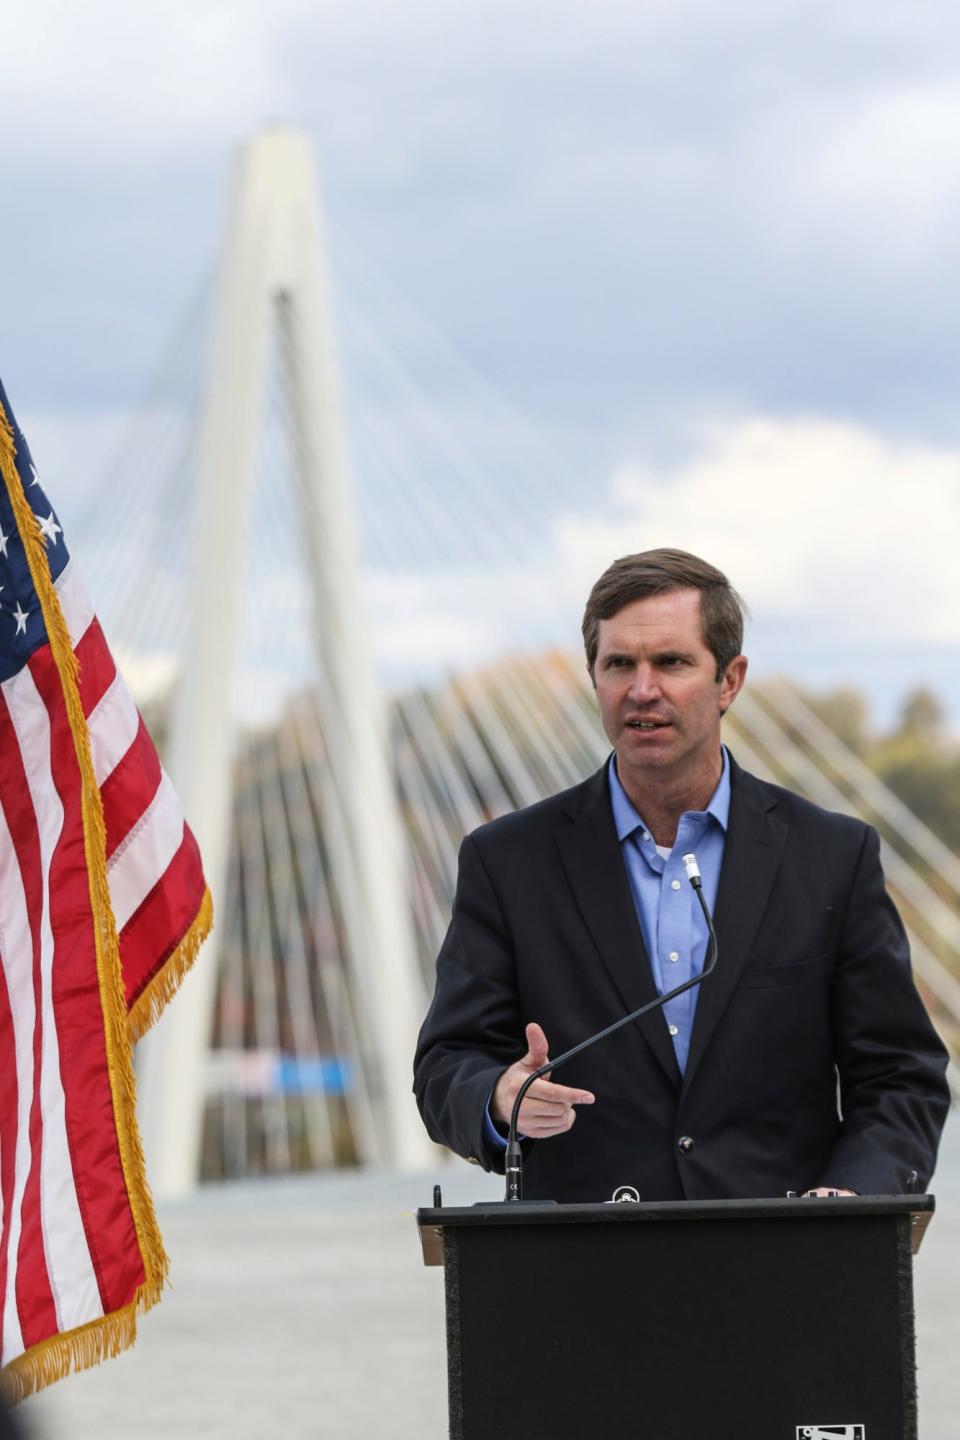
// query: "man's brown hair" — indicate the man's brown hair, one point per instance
point(654, 572)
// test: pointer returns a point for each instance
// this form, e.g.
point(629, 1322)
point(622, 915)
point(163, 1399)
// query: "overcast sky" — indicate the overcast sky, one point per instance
point(707, 251)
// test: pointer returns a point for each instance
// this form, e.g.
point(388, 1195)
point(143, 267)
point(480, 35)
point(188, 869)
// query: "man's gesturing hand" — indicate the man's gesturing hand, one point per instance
point(547, 1109)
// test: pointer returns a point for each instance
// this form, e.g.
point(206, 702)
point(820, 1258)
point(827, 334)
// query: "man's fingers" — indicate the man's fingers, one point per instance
point(543, 1109)
point(559, 1094)
point(537, 1054)
point(537, 1047)
point(539, 1129)
point(547, 1108)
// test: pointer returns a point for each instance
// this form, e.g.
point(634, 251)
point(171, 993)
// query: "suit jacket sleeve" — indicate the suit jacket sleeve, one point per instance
point(891, 1064)
point(471, 1031)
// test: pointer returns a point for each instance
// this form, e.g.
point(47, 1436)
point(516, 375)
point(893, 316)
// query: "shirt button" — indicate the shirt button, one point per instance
point(685, 1143)
point(646, 834)
point(674, 884)
point(674, 955)
point(674, 1030)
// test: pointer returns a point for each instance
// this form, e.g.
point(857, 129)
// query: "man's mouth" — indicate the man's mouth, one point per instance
point(647, 724)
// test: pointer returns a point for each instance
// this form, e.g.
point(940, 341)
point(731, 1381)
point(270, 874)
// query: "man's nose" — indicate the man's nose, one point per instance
point(645, 685)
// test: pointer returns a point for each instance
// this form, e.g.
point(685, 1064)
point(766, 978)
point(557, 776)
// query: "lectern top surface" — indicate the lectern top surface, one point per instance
point(550, 1213)
point(433, 1220)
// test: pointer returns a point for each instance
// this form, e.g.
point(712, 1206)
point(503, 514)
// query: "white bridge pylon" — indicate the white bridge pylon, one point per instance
point(272, 274)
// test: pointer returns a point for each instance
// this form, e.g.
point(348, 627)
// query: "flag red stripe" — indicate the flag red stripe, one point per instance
point(34, 1297)
point(168, 911)
point(129, 789)
point(8, 1127)
point(95, 666)
point(90, 1123)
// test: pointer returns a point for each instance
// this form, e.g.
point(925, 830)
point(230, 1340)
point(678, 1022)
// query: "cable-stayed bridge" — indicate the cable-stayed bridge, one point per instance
point(245, 573)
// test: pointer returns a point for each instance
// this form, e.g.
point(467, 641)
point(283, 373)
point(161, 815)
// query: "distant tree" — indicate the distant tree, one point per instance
point(917, 758)
point(847, 712)
point(929, 784)
point(922, 715)
point(922, 765)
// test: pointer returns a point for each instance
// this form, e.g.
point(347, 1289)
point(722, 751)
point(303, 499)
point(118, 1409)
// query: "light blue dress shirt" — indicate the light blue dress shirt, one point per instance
point(671, 921)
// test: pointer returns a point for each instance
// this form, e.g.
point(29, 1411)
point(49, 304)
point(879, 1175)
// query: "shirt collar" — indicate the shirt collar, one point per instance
point(626, 819)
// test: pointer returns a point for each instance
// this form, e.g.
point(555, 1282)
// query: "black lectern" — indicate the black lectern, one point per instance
point(719, 1320)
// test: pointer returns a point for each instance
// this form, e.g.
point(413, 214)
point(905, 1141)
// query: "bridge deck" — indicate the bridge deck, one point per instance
point(300, 1307)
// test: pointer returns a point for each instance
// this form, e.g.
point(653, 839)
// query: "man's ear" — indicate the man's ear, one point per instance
point(731, 682)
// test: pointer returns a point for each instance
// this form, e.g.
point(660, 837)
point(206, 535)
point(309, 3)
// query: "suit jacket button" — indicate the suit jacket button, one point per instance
point(685, 1143)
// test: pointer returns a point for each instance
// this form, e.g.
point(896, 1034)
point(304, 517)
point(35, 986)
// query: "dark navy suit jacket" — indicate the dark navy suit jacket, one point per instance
point(812, 1058)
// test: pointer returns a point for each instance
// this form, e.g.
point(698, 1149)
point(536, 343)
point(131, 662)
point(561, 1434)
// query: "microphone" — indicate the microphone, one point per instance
point(513, 1166)
point(693, 870)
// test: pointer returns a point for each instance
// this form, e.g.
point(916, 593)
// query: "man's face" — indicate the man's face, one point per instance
point(656, 681)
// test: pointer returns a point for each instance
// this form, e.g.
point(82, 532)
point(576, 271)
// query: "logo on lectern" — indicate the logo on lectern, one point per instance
point(831, 1432)
point(625, 1192)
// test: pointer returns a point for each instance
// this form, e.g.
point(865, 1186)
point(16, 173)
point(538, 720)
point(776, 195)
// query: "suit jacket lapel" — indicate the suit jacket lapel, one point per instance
point(751, 859)
point(591, 855)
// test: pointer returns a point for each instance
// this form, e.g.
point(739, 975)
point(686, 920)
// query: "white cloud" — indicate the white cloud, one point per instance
point(843, 542)
point(149, 676)
point(816, 521)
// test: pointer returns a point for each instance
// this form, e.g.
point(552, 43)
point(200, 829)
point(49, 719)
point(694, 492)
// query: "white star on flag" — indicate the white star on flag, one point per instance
point(3, 543)
point(49, 527)
point(21, 618)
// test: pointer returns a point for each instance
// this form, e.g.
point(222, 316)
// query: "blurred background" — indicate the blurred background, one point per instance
point(595, 279)
point(704, 258)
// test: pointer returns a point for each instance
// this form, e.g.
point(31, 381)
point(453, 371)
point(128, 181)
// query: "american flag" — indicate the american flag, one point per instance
point(103, 906)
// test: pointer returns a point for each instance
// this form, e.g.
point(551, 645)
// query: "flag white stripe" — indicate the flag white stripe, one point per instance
point(75, 602)
point(76, 1294)
point(144, 854)
point(113, 725)
point(16, 950)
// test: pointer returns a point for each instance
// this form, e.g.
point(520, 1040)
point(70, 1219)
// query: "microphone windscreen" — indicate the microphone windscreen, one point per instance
point(692, 868)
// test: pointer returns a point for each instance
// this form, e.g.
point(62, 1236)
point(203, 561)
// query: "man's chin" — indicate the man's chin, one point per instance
point(662, 741)
point(647, 756)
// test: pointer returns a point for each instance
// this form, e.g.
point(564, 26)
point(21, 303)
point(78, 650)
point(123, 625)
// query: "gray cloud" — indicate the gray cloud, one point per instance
point(629, 216)
point(611, 207)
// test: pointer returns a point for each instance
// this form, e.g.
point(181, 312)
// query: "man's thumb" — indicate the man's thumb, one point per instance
point(537, 1047)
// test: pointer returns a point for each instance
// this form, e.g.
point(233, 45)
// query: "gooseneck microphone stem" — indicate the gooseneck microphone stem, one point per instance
point(514, 1157)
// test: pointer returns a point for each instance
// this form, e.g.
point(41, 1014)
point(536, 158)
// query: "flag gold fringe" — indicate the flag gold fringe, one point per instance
point(101, 1338)
point(66, 1354)
point(149, 1004)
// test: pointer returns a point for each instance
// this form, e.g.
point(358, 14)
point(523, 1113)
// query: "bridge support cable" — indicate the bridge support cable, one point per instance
point(386, 324)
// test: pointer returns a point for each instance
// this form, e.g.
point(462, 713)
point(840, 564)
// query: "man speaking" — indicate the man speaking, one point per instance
point(805, 1060)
